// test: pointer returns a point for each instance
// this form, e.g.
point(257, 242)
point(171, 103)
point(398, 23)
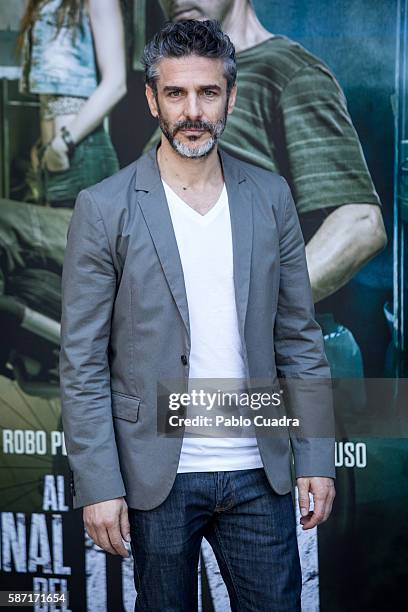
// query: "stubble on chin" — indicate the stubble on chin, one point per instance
point(193, 152)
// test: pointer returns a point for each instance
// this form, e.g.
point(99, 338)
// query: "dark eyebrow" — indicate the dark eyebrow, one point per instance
point(176, 87)
point(217, 87)
point(171, 87)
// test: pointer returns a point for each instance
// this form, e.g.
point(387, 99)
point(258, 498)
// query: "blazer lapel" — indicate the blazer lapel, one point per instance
point(153, 203)
point(240, 205)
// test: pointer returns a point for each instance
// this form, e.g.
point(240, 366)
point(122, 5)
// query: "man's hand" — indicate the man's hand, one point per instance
point(323, 492)
point(107, 523)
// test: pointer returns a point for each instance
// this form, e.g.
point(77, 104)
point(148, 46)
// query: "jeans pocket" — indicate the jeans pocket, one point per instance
point(100, 162)
point(65, 184)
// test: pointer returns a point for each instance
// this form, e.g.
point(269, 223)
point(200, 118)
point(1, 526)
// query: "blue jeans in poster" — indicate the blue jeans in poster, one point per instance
point(251, 529)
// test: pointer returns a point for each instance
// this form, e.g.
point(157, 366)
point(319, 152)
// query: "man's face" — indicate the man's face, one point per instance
point(191, 103)
point(175, 10)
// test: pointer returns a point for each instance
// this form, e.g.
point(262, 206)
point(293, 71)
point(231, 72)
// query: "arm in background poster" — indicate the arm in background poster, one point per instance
point(328, 169)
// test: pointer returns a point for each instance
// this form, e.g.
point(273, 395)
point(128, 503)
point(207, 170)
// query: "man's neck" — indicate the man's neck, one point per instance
point(188, 173)
point(243, 27)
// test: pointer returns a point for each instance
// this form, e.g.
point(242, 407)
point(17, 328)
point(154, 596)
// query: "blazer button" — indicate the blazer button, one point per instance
point(184, 359)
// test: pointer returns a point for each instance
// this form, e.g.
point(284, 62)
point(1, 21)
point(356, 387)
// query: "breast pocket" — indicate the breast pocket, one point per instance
point(125, 406)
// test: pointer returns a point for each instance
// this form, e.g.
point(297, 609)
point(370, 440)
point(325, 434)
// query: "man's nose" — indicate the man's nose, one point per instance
point(192, 108)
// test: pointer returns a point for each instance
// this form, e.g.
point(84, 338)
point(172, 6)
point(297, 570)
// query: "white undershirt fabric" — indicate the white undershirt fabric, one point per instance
point(205, 247)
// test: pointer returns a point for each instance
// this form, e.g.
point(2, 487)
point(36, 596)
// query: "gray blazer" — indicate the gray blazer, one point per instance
point(125, 325)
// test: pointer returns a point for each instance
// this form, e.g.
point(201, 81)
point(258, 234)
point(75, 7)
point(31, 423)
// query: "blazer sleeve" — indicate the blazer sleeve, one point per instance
point(88, 293)
point(300, 357)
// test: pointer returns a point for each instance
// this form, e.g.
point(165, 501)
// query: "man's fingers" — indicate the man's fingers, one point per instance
point(329, 504)
point(321, 512)
point(106, 542)
point(124, 524)
point(108, 536)
point(303, 491)
point(319, 507)
point(101, 538)
point(317, 515)
point(323, 491)
point(306, 521)
point(103, 522)
point(116, 541)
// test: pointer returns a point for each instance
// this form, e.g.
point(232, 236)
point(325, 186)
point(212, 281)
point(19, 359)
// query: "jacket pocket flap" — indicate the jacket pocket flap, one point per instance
point(125, 406)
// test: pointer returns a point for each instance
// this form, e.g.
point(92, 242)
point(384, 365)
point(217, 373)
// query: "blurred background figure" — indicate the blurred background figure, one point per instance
point(72, 74)
point(73, 57)
point(74, 65)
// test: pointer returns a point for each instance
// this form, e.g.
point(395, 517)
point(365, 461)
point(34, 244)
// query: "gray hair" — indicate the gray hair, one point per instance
point(189, 37)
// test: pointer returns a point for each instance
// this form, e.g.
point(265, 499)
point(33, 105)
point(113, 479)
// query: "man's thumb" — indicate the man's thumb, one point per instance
point(304, 502)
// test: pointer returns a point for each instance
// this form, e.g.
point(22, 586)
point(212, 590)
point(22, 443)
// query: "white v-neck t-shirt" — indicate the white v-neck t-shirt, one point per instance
point(205, 248)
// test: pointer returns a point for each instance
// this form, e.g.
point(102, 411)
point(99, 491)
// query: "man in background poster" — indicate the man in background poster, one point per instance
point(291, 117)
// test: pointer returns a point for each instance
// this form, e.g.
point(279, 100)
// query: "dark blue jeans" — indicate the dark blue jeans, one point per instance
point(251, 529)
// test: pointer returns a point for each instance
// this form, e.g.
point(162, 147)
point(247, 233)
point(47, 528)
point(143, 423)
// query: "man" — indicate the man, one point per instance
point(189, 264)
point(291, 117)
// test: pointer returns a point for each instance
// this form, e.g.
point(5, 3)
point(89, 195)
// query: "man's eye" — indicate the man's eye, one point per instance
point(174, 94)
point(209, 93)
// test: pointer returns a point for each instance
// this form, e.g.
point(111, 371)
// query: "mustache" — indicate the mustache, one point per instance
point(201, 124)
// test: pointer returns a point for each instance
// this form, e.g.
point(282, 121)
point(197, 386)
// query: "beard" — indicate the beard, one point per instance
point(215, 130)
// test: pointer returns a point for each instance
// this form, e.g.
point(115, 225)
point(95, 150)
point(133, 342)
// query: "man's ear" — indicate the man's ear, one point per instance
point(232, 98)
point(151, 100)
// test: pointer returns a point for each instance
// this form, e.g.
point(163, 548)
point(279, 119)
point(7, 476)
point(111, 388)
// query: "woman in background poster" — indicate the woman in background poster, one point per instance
point(74, 58)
